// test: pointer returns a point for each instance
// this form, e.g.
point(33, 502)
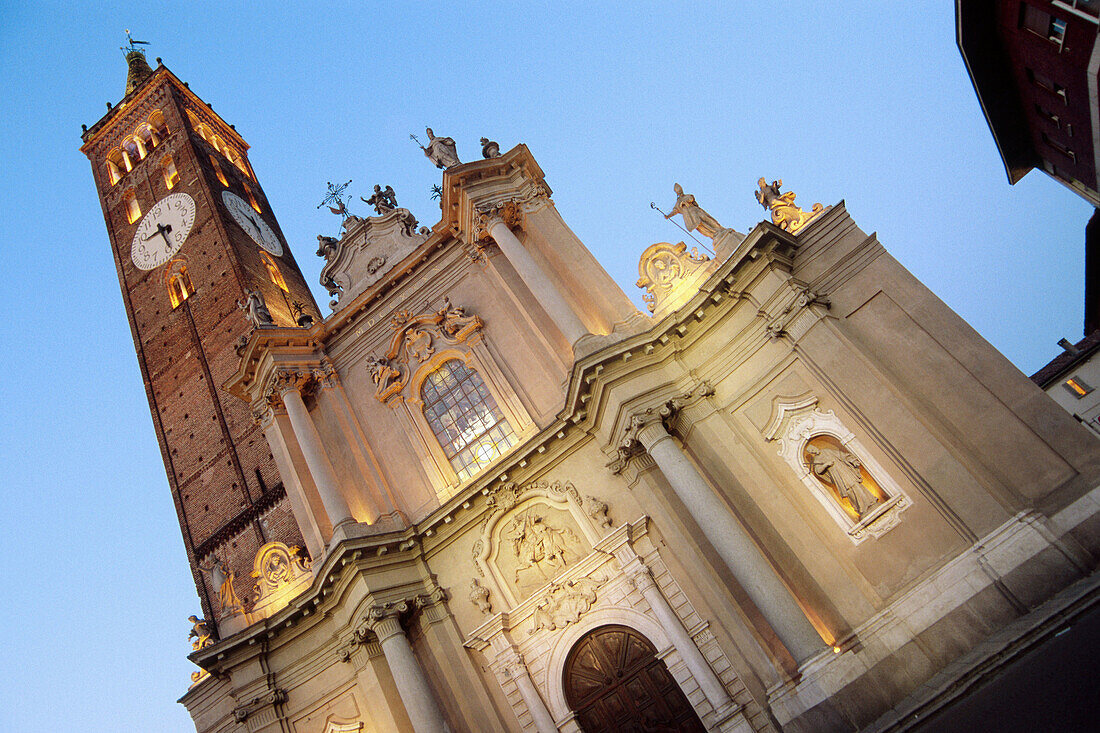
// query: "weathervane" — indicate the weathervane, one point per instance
point(335, 196)
point(133, 45)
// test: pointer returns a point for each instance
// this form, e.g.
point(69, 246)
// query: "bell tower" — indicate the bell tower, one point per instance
point(192, 233)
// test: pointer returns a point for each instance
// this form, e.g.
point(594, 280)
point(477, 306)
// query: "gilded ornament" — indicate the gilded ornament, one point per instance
point(785, 214)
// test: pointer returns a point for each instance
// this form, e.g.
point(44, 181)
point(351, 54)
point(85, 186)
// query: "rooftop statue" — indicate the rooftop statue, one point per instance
point(200, 633)
point(441, 150)
point(383, 201)
point(327, 247)
point(695, 218)
point(489, 148)
point(255, 310)
point(785, 214)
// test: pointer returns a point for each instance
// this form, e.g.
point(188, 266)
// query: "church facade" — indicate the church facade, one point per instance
point(488, 493)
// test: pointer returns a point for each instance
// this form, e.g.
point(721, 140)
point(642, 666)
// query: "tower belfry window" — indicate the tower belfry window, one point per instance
point(273, 271)
point(218, 171)
point(171, 175)
point(179, 283)
point(465, 418)
point(133, 209)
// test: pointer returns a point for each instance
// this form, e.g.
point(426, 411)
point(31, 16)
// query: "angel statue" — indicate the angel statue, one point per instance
point(382, 200)
point(200, 633)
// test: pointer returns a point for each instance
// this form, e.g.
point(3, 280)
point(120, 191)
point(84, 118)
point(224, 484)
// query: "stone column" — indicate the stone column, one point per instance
point(412, 684)
point(515, 668)
point(536, 281)
point(708, 681)
point(265, 415)
point(288, 385)
point(752, 570)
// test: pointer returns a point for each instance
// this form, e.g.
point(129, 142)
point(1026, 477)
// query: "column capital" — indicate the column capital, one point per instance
point(325, 375)
point(647, 427)
point(287, 379)
point(265, 409)
point(641, 577)
point(384, 619)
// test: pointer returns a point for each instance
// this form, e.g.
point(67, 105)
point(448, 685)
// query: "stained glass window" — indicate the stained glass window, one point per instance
point(465, 418)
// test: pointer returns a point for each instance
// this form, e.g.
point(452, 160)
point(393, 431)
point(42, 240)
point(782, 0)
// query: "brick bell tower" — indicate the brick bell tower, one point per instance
point(192, 233)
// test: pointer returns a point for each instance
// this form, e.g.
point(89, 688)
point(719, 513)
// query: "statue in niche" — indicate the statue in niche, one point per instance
point(489, 148)
point(255, 310)
point(836, 467)
point(200, 636)
point(695, 218)
point(221, 577)
point(537, 545)
point(382, 200)
point(479, 596)
point(441, 150)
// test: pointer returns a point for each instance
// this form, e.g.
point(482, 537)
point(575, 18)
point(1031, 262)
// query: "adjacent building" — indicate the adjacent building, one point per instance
point(486, 492)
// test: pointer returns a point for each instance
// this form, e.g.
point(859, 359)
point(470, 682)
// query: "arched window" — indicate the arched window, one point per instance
point(273, 271)
point(135, 147)
point(115, 166)
point(218, 171)
point(179, 283)
point(251, 198)
point(133, 209)
point(465, 418)
point(147, 136)
point(156, 119)
point(171, 175)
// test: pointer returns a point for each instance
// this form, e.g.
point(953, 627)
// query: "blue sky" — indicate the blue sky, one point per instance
point(863, 101)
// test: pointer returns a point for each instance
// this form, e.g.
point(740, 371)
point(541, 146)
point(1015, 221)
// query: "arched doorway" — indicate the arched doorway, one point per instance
point(615, 682)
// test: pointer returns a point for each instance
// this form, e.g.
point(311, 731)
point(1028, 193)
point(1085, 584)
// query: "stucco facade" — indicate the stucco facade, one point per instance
point(691, 475)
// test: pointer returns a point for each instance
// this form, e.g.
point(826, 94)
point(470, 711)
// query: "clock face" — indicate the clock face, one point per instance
point(162, 231)
point(252, 223)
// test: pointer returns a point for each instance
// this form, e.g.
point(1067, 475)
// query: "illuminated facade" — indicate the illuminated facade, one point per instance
point(784, 498)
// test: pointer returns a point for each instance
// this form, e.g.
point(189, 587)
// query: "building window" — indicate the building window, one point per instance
point(1042, 24)
point(1060, 147)
point(1049, 116)
point(1041, 81)
point(115, 166)
point(171, 175)
point(465, 418)
point(1077, 387)
point(133, 209)
point(179, 283)
point(252, 199)
point(1088, 9)
point(273, 271)
point(218, 171)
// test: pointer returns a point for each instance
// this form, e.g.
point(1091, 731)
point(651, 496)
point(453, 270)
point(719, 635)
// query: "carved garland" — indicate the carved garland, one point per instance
point(414, 342)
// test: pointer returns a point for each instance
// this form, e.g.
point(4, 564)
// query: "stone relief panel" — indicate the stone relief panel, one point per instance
point(281, 573)
point(534, 543)
point(842, 475)
point(533, 534)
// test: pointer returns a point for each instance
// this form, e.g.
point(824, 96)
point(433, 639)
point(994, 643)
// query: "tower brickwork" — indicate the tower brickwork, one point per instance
point(159, 142)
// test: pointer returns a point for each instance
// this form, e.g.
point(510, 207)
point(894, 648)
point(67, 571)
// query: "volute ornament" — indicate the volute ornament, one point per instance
point(785, 214)
point(664, 268)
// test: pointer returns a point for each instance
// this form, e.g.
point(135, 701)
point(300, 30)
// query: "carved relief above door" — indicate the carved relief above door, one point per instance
point(614, 681)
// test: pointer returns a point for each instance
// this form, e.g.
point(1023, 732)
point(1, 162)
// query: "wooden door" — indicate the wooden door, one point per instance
point(615, 682)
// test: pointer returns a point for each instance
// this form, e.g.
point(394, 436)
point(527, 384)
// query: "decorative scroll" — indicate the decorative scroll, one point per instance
point(666, 268)
point(564, 603)
point(414, 342)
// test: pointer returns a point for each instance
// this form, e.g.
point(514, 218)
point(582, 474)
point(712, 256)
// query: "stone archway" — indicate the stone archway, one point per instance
point(614, 681)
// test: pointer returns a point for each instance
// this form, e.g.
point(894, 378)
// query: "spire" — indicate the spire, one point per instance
point(139, 69)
